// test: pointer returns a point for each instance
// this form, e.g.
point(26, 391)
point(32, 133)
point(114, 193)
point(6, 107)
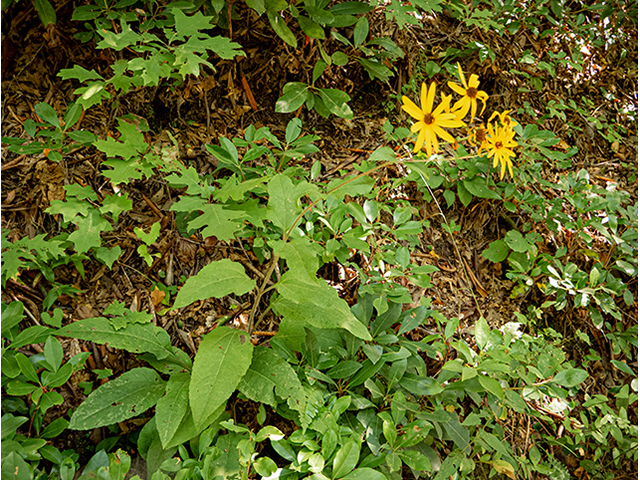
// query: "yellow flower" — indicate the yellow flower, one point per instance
point(478, 136)
point(505, 119)
point(499, 145)
point(431, 122)
point(470, 95)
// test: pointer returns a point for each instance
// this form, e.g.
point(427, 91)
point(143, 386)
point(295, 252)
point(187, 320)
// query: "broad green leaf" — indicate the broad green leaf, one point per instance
point(336, 102)
point(364, 473)
point(190, 26)
point(12, 315)
point(46, 12)
point(360, 31)
point(492, 386)
point(134, 338)
point(311, 28)
point(411, 319)
point(352, 185)
point(458, 433)
point(47, 113)
point(224, 356)
point(27, 368)
point(345, 460)
point(300, 253)
point(419, 385)
point(383, 154)
point(482, 332)
point(282, 30)
point(283, 208)
point(478, 187)
point(217, 280)
point(10, 424)
point(172, 407)
point(344, 369)
point(270, 376)
point(516, 241)
point(496, 251)
point(495, 443)
point(293, 97)
point(129, 395)
point(570, 377)
point(13, 466)
point(312, 301)
point(350, 8)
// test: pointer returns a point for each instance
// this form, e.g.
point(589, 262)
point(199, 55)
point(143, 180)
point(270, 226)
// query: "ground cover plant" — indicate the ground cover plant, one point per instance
point(317, 239)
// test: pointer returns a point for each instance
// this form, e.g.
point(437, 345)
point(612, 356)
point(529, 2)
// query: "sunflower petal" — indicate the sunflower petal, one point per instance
point(428, 107)
point(416, 127)
point(420, 140)
point(423, 98)
point(462, 79)
point(473, 81)
point(412, 109)
point(457, 88)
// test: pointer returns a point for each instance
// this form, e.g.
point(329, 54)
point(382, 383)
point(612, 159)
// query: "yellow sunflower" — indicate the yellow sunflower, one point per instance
point(499, 145)
point(470, 95)
point(504, 117)
point(431, 122)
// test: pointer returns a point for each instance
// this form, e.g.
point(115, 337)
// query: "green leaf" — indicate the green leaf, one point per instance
point(300, 253)
point(224, 356)
point(350, 8)
point(311, 28)
point(336, 102)
point(282, 30)
point(148, 238)
point(13, 466)
point(264, 466)
point(47, 114)
point(217, 280)
point(344, 369)
point(27, 368)
point(312, 301)
point(478, 187)
point(293, 97)
point(458, 433)
point(419, 385)
point(364, 473)
point(623, 367)
point(87, 235)
point(129, 395)
point(491, 385)
point(172, 407)
point(270, 376)
point(496, 251)
point(482, 332)
point(55, 428)
point(345, 460)
point(79, 73)
point(45, 11)
point(190, 26)
point(12, 315)
point(570, 377)
point(283, 208)
point(360, 31)
point(134, 338)
point(218, 222)
point(107, 255)
point(53, 353)
point(516, 241)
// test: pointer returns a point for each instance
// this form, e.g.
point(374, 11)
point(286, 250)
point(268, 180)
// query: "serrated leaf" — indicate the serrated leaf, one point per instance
point(223, 357)
point(218, 221)
point(172, 407)
point(134, 338)
point(129, 395)
point(87, 235)
point(270, 376)
point(217, 280)
point(283, 208)
point(79, 73)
